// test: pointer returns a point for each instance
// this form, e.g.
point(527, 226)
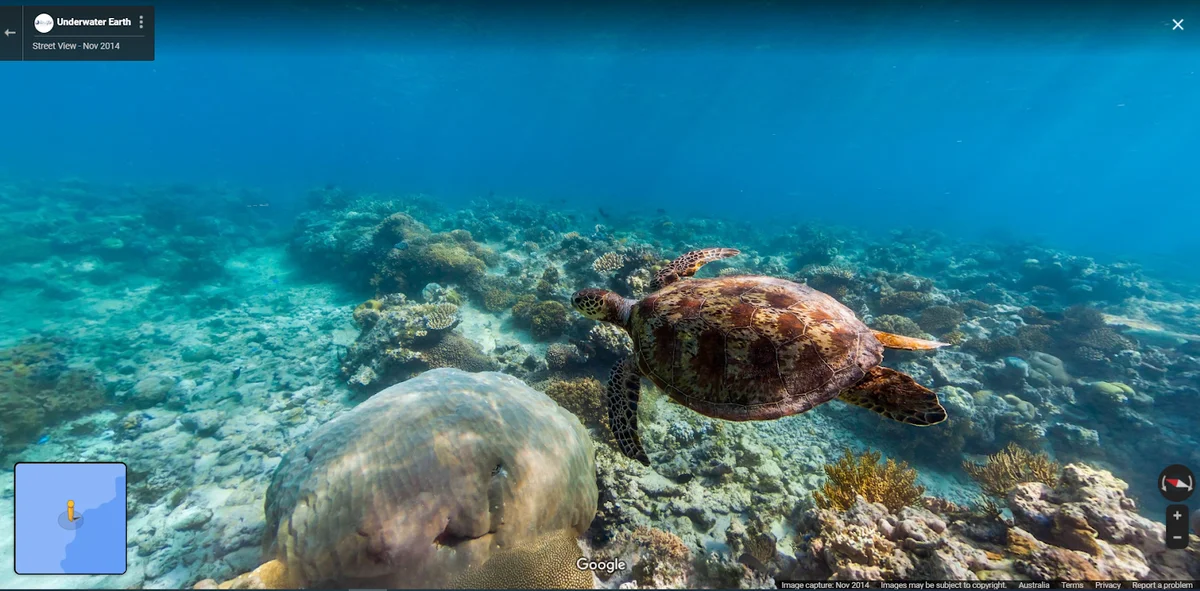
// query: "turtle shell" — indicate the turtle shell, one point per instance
point(750, 348)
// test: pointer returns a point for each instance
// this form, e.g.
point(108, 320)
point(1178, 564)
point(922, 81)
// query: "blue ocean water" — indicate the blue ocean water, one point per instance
point(1048, 122)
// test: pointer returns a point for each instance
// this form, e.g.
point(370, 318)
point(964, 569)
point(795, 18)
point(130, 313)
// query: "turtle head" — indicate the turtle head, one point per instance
point(601, 304)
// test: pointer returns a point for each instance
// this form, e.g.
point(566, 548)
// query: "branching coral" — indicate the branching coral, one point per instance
point(611, 340)
point(546, 319)
point(1083, 335)
point(1011, 466)
point(997, 346)
point(835, 281)
point(955, 337)
point(1105, 340)
point(903, 301)
point(1033, 337)
point(940, 319)
point(496, 293)
point(896, 324)
point(560, 355)
point(892, 484)
point(548, 283)
point(583, 397)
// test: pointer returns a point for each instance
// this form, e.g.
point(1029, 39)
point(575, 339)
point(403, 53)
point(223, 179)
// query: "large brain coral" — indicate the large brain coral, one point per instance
point(425, 481)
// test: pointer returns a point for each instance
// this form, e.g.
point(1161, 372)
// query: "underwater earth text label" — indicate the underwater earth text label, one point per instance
point(76, 33)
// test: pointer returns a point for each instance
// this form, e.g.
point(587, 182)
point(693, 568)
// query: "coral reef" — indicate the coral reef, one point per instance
point(546, 320)
point(656, 559)
point(901, 302)
point(835, 281)
point(190, 331)
point(584, 398)
point(394, 251)
point(498, 443)
point(892, 484)
point(897, 324)
point(551, 561)
point(1085, 528)
point(272, 574)
point(608, 262)
point(401, 338)
point(38, 389)
point(941, 319)
point(1013, 465)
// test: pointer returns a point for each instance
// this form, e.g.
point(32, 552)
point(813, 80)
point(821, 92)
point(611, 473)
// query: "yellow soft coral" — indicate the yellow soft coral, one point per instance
point(892, 484)
point(1011, 466)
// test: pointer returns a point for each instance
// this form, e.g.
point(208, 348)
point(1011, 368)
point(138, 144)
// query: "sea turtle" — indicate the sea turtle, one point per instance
point(746, 348)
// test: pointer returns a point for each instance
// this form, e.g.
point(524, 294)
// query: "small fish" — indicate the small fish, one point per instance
point(402, 245)
point(602, 213)
point(44, 439)
point(661, 211)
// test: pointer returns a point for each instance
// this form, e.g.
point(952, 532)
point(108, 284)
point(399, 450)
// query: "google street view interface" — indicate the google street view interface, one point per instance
point(620, 295)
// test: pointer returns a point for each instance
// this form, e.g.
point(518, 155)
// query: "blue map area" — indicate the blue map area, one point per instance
point(90, 541)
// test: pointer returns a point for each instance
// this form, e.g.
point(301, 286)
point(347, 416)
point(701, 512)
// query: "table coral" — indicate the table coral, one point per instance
point(608, 262)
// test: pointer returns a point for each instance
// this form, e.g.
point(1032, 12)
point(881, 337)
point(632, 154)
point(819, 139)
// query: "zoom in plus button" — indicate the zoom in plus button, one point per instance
point(1176, 483)
point(1177, 527)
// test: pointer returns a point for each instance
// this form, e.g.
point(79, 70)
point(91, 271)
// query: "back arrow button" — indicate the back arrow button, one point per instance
point(8, 32)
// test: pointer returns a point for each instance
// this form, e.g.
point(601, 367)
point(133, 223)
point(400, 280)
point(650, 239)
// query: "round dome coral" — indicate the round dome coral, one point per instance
point(427, 479)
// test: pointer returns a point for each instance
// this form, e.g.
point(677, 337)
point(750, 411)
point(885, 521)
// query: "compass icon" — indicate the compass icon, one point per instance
point(1176, 483)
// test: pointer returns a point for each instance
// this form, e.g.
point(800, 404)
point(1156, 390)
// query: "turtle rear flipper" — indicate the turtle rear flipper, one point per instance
point(621, 396)
point(689, 263)
point(896, 396)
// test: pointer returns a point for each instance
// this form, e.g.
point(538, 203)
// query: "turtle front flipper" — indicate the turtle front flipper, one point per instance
point(689, 263)
point(895, 341)
point(896, 396)
point(624, 389)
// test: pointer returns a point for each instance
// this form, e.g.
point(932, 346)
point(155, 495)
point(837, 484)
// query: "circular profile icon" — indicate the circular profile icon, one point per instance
point(43, 23)
point(1176, 483)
